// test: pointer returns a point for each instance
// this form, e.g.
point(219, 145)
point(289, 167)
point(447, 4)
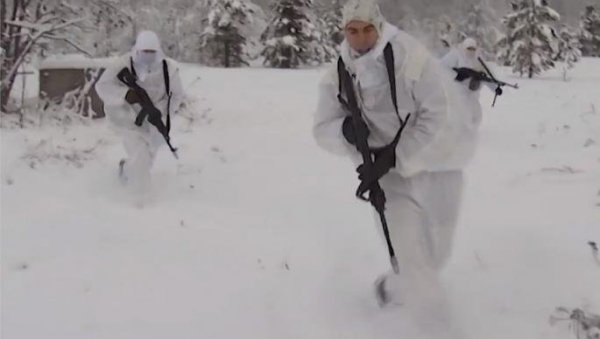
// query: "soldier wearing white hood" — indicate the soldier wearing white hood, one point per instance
point(466, 55)
point(424, 181)
point(159, 77)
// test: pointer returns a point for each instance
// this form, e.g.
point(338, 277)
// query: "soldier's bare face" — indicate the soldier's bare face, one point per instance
point(361, 36)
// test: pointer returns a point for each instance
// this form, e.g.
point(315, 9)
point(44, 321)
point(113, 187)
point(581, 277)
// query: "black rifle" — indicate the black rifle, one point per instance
point(148, 111)
point(376, 194)
point(496, 81)
point(463, 73)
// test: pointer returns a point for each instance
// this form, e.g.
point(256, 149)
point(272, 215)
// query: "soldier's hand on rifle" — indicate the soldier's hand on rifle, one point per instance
point(474, 84)
point(154, 115)
point(349, 131)
point(150, 113)
point(499, 91)
point(463, 73)
point(132, 97)
point(385, 160)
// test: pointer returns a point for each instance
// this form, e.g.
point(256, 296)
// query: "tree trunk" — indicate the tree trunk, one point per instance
point(227, 53)
point(530, 72)
point(4, 95)
point(11, 43)
point(287, 61)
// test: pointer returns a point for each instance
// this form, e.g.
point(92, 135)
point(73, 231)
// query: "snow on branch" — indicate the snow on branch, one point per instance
point(43, 27)
point(40, 31)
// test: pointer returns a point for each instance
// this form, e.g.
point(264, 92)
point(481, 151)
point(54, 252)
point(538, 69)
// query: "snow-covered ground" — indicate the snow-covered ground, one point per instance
point(255, 232)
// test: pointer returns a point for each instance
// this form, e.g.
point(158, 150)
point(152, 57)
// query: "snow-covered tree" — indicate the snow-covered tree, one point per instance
point(531, 43)
point(291, 38)
point(30, 26)
point(223, 37)
point(590, 32)
point(162, 20)
point(438, 34)
point(481, 25)
point(332, 24)
point(324, 48)
point(171, 30)
point(447, 33)
point(110, 30)
point(179, 24)
point(569, 49)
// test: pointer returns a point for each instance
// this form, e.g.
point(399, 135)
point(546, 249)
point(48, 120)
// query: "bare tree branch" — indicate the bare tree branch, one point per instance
point(46, 27)
point(42, 31)
point(70, 42)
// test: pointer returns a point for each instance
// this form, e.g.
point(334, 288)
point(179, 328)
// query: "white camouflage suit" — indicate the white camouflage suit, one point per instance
point(424, 189)
point(141, 143)
point(460, 57)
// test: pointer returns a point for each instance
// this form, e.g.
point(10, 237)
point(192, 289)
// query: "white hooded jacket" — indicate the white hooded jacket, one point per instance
point(149, 76)
point(423, 192)
point(459, 57)
point(440, 134)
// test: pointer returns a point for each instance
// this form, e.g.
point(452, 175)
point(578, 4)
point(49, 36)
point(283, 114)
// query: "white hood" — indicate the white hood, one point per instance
point(147, 40)
point(363, 10)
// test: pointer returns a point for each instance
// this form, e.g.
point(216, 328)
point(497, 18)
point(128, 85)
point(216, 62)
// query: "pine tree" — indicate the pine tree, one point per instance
point(191, 25)
point(447, 34)
point(333, 30)
point(323, 47)
point(291, 38)
point(112, 27)
point(222, 37)
point(427, 30)
point(590, 32)
point(480, 25)
point(530, 44)
point(569, 49)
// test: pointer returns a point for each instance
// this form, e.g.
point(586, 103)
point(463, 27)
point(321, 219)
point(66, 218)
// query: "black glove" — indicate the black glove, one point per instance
point(499, 91)
point(474, 84)
point(349, 132)
point(151, 113)
point(385, 160)
point(132, 97)
point(463, 73)
point(154, 115)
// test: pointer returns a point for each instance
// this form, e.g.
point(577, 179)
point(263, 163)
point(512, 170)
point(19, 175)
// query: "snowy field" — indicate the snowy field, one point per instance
point(255, 232)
